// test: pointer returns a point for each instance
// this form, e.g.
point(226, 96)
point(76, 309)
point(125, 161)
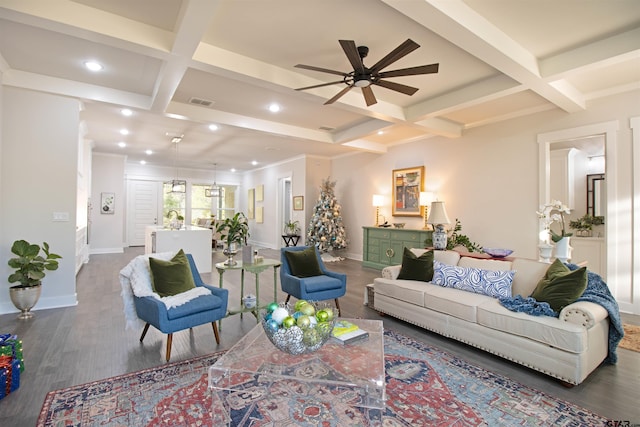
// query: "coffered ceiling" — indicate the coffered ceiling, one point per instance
point(165, 59)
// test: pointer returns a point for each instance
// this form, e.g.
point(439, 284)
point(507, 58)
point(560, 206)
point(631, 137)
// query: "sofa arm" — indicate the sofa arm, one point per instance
point(391, 272)
point(583, 313)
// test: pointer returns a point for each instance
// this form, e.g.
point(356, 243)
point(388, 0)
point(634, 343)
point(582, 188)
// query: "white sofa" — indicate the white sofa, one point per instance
point(569, 347)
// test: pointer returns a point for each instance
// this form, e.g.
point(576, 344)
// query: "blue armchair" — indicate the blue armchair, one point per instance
point(198, 311)
point(330, 285)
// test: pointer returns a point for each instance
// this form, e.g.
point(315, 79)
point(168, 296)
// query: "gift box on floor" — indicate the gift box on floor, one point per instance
point(10, 345)
point(9, 375)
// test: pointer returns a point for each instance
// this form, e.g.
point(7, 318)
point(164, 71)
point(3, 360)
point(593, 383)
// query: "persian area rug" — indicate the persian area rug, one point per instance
point(425, 387)
point(631, 339)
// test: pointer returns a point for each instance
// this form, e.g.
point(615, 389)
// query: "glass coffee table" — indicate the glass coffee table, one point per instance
point(254, 377)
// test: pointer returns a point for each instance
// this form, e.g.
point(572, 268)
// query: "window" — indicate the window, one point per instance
point(198, 205)
point(174, 204)
point(201, 205)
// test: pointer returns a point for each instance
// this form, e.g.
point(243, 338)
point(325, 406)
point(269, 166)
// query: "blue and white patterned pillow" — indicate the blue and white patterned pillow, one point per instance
point(495, 284)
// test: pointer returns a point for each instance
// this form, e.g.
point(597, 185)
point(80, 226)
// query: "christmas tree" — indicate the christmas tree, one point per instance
point(325, 228)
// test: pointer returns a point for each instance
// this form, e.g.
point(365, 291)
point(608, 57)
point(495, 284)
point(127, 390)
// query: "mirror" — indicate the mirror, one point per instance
point(596, 195)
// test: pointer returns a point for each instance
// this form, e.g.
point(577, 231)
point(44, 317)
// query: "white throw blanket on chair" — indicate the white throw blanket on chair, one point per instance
point(135, 279)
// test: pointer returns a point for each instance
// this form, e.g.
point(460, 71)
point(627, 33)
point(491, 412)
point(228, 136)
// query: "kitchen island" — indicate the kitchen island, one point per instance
point(192, 239)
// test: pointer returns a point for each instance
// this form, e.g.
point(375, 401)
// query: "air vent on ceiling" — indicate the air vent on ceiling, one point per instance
point(327, 128)
point(200, 101)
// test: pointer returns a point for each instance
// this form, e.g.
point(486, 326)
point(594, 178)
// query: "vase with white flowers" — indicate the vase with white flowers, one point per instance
point(549, 214)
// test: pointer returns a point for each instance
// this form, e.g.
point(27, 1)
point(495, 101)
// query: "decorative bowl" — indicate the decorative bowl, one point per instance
point(497, 252)
point(294, 331)
point(398, 224)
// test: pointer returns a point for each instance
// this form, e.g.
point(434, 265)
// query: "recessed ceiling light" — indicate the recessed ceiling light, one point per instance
point(124, 132)
point(380, 132)
point(93, 66)
point(126, 112)
point(233, 169)
point(254, 163)
point(143, 162)
point(122, 144)
point(149, 152)
point(274, 108)
point(213, 127)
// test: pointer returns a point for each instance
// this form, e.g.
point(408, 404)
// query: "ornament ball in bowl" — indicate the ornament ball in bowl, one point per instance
point(303, 328)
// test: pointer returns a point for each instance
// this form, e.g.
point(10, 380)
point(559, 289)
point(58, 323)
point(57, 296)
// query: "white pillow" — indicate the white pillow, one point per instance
point(495, 284)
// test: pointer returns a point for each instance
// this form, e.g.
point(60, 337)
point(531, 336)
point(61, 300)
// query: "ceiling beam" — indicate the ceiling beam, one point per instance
point(455, 21)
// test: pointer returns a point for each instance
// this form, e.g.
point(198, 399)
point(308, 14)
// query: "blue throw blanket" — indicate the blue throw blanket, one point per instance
point(597, 292)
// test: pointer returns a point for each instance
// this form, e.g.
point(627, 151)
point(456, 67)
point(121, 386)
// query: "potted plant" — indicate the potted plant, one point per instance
point(584, 224)
point(233, 231)
point(291, 228)
point(30, 268)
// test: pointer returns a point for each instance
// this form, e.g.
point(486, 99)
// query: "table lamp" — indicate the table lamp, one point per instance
point(378, 200)
point(438, 218)
point(426, 197)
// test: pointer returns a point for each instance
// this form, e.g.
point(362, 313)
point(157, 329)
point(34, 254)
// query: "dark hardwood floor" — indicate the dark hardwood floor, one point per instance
point(88, 342)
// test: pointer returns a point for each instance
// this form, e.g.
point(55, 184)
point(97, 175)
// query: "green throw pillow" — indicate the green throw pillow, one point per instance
point(303, 263)
point(171, 277)
point(416, 268)
point(561, 286)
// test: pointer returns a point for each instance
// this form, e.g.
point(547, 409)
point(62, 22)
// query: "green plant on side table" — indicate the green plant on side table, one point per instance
point(233, 231)
point(30, 268)
point(291, 228)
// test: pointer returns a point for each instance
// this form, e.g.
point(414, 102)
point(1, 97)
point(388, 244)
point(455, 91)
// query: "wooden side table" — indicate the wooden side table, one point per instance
point(255, 268)
point(291, 239)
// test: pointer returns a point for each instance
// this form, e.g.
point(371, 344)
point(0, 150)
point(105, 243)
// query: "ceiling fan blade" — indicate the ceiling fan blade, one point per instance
point(350, 49)
point(412, 71)
point(322, 70)
point(404, 49)
point(321, 85)
point(369, 97)
point(407, 90)
point(335, 98)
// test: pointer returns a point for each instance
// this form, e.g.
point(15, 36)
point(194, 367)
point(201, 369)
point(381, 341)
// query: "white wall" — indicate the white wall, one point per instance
point(38, 176)
point(107, 230)
point(488, 179)
point(306, 173)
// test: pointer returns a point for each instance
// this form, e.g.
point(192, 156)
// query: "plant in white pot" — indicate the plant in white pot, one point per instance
point(233, 231)
point(30, 268)
point(291, 228)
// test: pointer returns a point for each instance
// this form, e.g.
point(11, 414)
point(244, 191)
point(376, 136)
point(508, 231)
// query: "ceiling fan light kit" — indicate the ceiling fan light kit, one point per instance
point(364, 77)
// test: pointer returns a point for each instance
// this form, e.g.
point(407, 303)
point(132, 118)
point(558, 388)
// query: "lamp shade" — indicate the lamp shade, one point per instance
point(378, 200)
point(438, 214)
point(426, 197)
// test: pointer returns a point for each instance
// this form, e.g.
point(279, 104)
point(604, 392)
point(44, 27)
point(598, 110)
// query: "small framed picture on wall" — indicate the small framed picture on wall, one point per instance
point(107, 203)
point(298, 203)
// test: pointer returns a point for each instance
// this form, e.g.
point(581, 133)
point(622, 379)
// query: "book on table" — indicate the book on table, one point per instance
point(347, 332)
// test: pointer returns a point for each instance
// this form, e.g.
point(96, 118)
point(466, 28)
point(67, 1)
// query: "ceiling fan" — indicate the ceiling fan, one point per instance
point(364, 77)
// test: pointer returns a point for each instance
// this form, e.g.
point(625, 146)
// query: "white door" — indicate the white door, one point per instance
point(142, 209)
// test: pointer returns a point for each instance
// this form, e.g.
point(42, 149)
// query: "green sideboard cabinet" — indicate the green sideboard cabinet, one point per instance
point(384, 246)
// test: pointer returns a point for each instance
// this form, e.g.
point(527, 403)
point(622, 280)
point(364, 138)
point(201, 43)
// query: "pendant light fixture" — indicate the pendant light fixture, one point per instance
point(214, 191)
point(178, 185)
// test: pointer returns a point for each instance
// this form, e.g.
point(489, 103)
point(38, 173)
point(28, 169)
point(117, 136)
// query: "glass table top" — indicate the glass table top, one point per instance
point(358, 367)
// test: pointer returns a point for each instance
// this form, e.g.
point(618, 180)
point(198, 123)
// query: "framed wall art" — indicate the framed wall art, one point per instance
point(259, 193)
point(260, 214)
point(107, 203)
point(298, 203)
point(407, 185)
point(251, 204)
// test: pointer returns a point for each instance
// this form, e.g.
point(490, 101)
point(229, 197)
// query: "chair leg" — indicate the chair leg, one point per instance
point(215, 332)
point(144, 332)
point(338, 306)
point(169, 339)
point(287, 300)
